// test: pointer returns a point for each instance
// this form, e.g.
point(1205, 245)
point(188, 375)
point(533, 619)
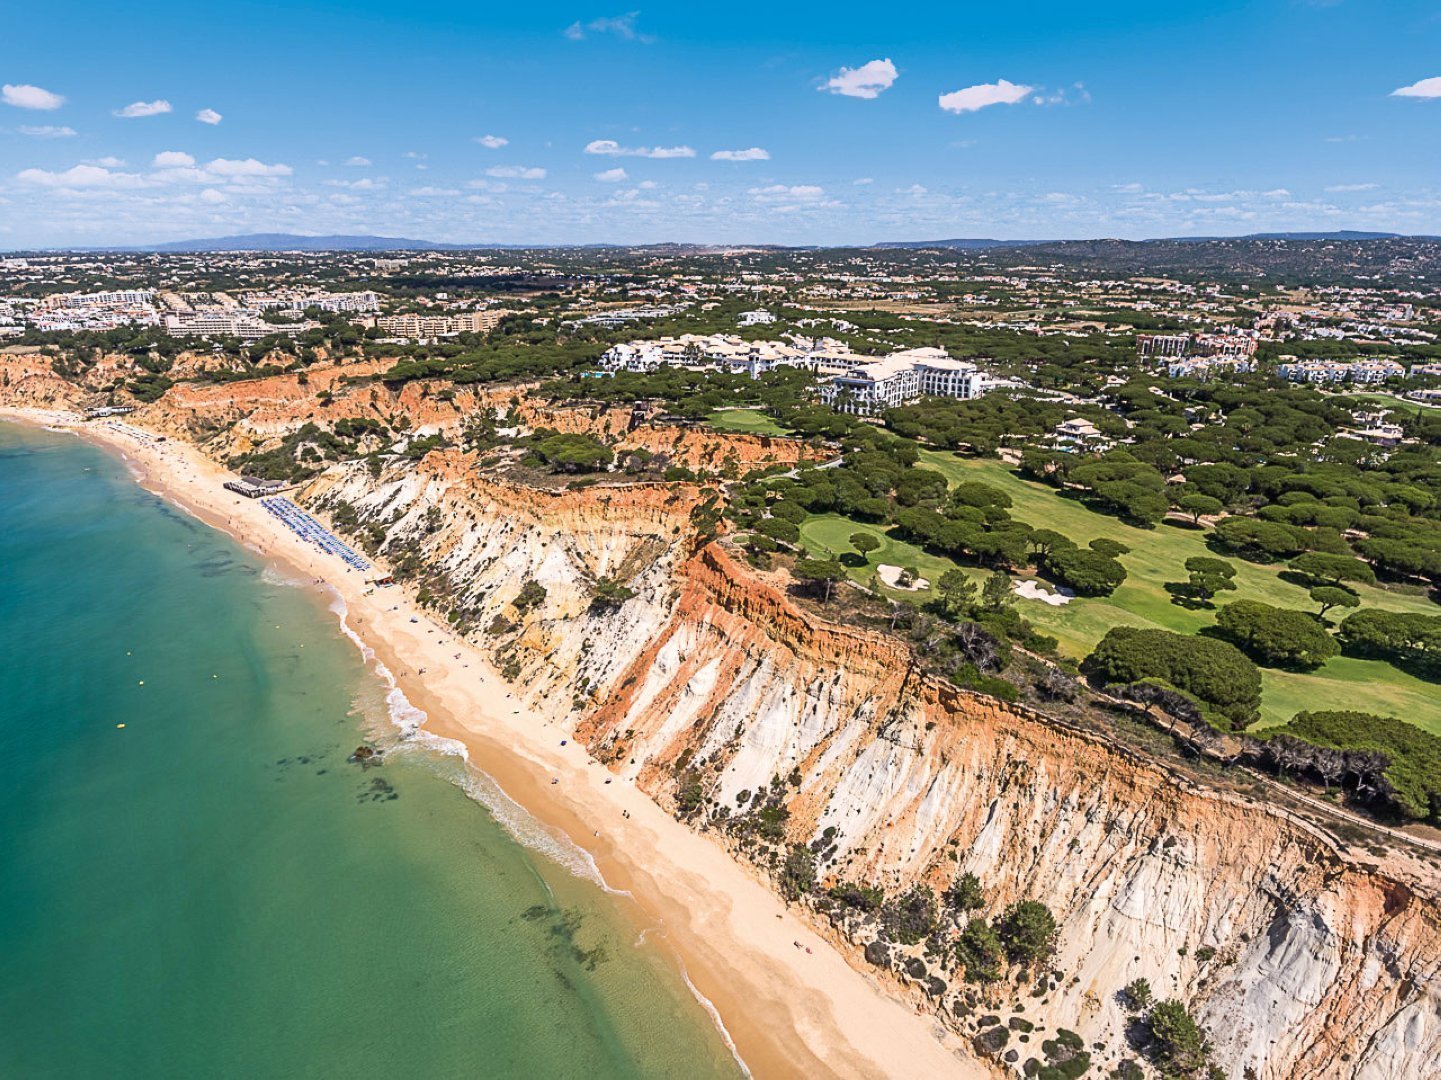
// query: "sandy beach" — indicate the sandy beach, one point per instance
point(790, 1002)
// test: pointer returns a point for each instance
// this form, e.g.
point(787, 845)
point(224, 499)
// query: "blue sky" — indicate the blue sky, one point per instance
point(834, 123)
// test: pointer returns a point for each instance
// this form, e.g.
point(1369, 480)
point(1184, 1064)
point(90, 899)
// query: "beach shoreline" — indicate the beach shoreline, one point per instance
point(786, 998)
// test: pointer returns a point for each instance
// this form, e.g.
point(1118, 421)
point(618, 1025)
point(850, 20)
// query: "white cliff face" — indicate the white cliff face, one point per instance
point(1300, 965)
point(483, 542)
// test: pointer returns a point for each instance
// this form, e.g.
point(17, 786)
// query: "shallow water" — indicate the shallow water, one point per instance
point(213, 889)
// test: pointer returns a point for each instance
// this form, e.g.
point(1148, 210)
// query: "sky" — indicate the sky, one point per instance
point(737, 123)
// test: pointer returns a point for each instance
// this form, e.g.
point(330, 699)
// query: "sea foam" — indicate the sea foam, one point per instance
point(450, 758)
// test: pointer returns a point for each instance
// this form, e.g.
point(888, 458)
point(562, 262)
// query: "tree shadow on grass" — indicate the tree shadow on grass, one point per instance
point(1182, 597)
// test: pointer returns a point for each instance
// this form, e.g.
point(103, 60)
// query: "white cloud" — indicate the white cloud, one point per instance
point(107, 162)
point(365, 183)
point(492, 142)
point(621, 26)
point(611, 176)
point(611, 148)
point(1343, 188)
point(357, 162)
point(863, 181)
point(1129, 189)
point(210, 195)
point(144, 108)
point(1077, 95)
point(247, 167)
point(785, 193)
point(25, 96)
point(755, 153)
point(914, 189)
point(434, 192)
point(1426, 88)
point(978, 97)
point(172, 159)
point(867, 81)
point(47, 131)
point(208, 116)
point(515, 172)
point(79, 176)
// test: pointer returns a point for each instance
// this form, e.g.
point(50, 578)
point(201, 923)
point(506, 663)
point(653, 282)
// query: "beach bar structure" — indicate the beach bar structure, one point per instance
point(253, 487)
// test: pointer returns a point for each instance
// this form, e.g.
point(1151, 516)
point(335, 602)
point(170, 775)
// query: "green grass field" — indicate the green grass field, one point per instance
point(831, 533)
point(746, 421)
point(1389, 401)
point(1157, 556)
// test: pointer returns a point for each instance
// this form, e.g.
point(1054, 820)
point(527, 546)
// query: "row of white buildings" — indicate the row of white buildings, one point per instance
point(361, 303)
point(1364, 372)
point(1205, 367)
point(852, 382)
point(1232, 342)
point(239, 323)
point(184, 315)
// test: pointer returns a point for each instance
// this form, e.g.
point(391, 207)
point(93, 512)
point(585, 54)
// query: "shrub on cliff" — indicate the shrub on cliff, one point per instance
point(609, 593)
point(910, 918)
point(532, 593)
point(1215, 672)
point(1179, 1046)
point(966, 894)
point(860, 897)
point(690, 794)
point(1028, 931)
point(798, 873)
point(979, 950)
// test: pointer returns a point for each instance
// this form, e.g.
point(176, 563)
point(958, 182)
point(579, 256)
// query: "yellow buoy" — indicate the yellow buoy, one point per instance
point(119, 725)
point(142, 682)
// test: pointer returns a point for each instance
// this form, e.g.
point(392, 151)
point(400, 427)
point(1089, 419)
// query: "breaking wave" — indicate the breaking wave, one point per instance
point(403, 733)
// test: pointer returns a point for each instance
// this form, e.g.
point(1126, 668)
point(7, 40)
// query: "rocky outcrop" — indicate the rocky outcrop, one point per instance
point(1299, 962)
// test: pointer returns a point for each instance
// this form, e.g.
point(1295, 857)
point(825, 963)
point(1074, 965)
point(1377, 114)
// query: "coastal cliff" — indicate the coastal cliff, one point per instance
point(704, 681)
point(1300, 963)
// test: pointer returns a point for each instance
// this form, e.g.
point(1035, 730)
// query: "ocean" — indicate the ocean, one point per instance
point(195, 881)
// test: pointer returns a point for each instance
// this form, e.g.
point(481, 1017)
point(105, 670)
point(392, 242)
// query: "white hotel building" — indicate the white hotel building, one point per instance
point(853, 383)
point(227, 322)
point(903, 377)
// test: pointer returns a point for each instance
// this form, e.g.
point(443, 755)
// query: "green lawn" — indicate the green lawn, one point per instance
point(830, 534)
point(1389, 401)
point(1157, 556)
point(747, 421)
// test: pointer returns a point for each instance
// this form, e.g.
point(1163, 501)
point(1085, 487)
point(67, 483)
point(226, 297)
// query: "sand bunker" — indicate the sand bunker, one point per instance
point(1031, 590)
point(891, 575)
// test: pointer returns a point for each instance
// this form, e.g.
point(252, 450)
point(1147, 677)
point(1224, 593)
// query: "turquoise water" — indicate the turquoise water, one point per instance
point(213, 890)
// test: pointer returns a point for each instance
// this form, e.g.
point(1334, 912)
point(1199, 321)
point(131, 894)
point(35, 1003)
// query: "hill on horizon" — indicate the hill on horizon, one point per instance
point(298, 242)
